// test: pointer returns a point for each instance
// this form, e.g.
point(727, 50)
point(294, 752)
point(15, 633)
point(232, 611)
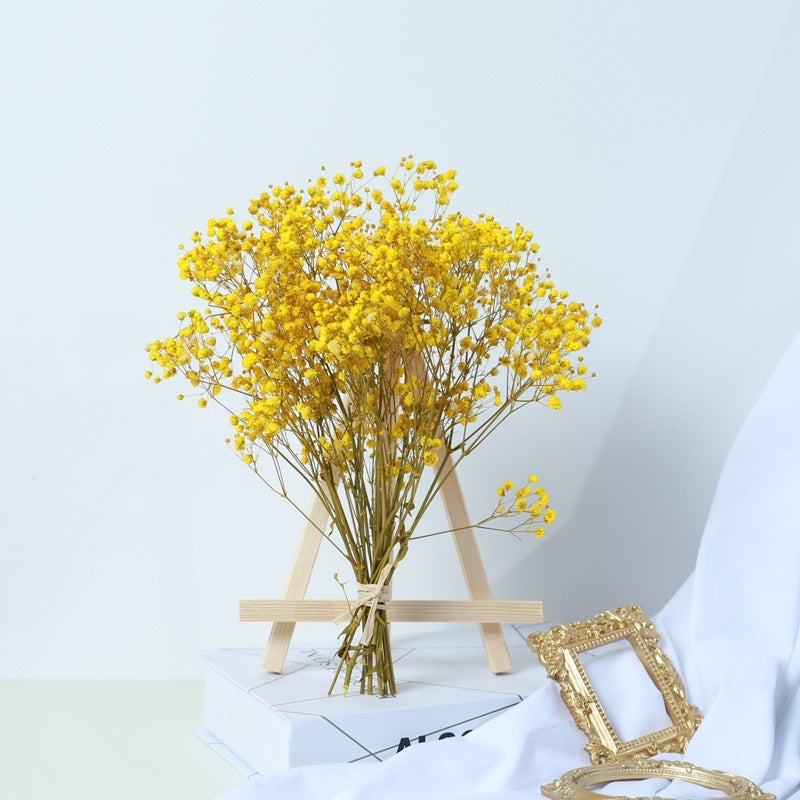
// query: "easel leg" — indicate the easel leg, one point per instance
point(469, 556)
point(281, 634)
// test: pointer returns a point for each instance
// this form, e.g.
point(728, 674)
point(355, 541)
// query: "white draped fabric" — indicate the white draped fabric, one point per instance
point(732, 632)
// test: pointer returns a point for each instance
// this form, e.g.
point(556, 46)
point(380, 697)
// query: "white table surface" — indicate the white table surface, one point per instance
point(107, 739)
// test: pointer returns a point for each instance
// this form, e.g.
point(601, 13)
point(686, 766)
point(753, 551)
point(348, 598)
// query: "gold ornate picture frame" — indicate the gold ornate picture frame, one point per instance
point(573, 785)
point(558, 650)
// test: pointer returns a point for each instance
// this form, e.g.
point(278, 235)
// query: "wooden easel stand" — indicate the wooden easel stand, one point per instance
point(480, 608)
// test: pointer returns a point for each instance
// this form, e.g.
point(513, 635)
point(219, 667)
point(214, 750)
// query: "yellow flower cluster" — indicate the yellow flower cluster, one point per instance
point(360, 329)
point(532, 502)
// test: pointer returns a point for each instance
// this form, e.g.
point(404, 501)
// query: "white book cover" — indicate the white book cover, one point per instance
point(271, 722)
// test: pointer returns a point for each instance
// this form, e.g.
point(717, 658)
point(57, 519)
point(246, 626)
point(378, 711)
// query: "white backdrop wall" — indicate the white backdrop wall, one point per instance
point(651, 147)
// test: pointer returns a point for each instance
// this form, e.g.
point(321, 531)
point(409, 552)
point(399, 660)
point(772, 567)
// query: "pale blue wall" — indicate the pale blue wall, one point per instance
point(650, 147)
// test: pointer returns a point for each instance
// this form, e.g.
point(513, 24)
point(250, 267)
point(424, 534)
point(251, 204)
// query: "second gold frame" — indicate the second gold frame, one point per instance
point(558, 650)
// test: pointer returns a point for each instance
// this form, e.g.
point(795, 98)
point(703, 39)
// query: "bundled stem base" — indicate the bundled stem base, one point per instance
point(370, 662)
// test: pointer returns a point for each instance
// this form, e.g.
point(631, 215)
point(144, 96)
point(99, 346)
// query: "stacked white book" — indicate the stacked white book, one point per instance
point(265, 722)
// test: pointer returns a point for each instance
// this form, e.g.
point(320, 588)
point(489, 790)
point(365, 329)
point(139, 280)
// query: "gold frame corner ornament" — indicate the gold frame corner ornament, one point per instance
point(558, 650)
point(572, 785)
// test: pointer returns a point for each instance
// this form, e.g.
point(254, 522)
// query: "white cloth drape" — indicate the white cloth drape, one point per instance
point(731, 631)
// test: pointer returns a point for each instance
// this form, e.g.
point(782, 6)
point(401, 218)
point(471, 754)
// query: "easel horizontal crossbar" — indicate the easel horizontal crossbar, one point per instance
point(398, 610)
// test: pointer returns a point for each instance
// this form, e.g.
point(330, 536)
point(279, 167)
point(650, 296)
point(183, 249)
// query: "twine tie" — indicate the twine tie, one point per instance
point(375, 595)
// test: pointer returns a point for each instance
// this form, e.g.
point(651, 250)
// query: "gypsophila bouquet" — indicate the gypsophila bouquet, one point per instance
point(359, 332)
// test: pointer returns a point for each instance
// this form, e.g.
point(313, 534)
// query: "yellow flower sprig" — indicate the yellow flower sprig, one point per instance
point(530, 504)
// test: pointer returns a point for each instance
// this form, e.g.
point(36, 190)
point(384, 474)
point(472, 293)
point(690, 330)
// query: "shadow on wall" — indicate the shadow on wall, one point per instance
point(635, 533)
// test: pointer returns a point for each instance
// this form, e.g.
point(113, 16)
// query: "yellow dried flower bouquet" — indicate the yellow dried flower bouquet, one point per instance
point(358, 332)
